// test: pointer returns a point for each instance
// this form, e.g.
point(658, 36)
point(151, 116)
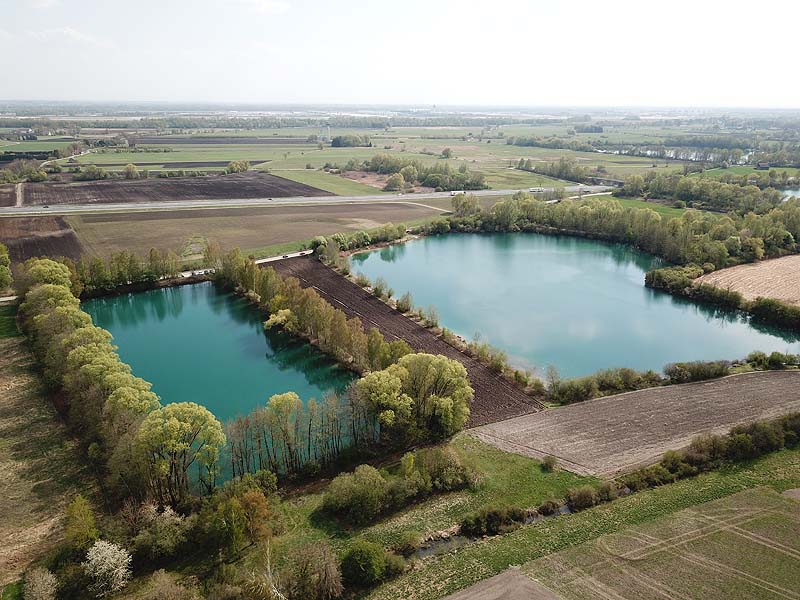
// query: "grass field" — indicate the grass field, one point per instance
point(664, 211)
point(438, 576)
point(508, 480)
point(740, 547)
point(335, 184)
point(744, 170)
point(40, 464)
point(515, 179)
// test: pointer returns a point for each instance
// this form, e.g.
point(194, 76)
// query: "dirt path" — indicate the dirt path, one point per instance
point(509, 585)
point(19, 194)
point(39, 464)
point(495, 398)
point(616, 434)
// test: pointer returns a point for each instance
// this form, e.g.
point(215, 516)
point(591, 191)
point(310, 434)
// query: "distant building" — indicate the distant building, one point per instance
point(762, 166)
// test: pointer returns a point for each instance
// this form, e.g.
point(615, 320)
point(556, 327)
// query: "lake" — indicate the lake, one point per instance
point(196, 343)
point(577, 304)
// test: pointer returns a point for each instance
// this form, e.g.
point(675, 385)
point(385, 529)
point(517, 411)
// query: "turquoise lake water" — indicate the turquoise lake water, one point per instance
point(196, 343)
point(577, 304)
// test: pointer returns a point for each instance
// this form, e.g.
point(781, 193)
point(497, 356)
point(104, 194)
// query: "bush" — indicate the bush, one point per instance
point(404, 303)
point(40, 584)
point(607, 491)
point(408, 543)
point(162, 533)
point(364, 564)
point(698, 370)
point(358, 497)
point(164, 587)
point(583, 497)
point(549, 463)
point(108, 566)
point(362, 280)
point(312, 573)
point(492, 521)
point(549, 507)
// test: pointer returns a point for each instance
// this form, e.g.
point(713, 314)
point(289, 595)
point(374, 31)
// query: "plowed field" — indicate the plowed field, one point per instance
point(495, 398)
point(778, 278)
point(27, 237)
point(615, 434)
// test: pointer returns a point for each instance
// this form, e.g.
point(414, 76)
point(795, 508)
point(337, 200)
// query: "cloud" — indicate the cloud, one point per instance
point(69, 34)
point(269, 7)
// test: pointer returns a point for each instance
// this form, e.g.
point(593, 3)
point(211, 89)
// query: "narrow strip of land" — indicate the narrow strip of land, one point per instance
point(615, 434)
point(495, 398)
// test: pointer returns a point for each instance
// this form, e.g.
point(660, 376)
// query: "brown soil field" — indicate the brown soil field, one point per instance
point(40, 464)
point(180, 164)
point(215, 139)
point(214, 187)
point(8, 195)
point(495, 398)
point(27, 237)
point(777, 278)
point(616, 434)
point(246, 228)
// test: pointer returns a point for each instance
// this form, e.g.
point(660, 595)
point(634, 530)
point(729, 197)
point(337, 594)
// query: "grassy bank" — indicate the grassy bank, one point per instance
point(439, 576)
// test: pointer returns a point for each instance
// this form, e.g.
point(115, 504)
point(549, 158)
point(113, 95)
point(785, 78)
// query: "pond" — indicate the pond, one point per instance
point(577, 304)
point(195, 343)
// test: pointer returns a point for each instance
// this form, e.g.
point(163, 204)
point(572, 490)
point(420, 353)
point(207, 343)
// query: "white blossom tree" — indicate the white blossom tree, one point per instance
point(108, 566)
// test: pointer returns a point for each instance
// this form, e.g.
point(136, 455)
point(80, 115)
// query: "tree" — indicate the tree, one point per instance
point(172, 439)
point(238, 166)
point(312, 573)
point(394, 183)
point(447, 153)
point(5, 267)
point(80, 529)
point(364, 563)
point(226, 524)
point(108, 566)
point(39, 271)
point(131, 171)
point(465, 204)
point(40, 584)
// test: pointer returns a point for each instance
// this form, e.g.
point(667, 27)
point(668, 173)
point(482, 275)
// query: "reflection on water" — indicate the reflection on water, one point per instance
point(578, 304)
point(195, 343)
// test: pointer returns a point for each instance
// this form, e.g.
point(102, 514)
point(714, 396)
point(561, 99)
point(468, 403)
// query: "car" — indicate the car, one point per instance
point(45, 206)
point(285, 256)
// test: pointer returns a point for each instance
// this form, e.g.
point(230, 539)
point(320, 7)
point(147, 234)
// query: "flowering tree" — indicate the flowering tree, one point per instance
point(108, 566)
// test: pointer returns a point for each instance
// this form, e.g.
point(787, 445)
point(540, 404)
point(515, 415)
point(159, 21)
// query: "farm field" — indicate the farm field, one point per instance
point(615, 434)
point(739, 170)
point(495, 398)
point(27, 237)
point(436, 577)
point(777, 278)
point(744, 546)
point(335, 184)
point(247, 185)
point(40, 463)
point(254, 230)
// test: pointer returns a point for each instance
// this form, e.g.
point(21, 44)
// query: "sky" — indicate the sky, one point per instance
point(698, 53)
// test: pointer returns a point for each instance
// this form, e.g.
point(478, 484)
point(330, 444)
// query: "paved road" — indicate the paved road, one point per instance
point(69, 209)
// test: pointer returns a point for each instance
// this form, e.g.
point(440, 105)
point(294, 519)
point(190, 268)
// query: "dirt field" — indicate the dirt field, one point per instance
point(742, 547)
point(39, 236)
point(8, 195)
point(40, 465)
point(495, 398)
point(616, 434)
point(777, 278)
point(214, 187)
point(510, 585)
point(246, 228)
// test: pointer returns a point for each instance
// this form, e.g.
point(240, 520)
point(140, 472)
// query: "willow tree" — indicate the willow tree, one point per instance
point(171, 440)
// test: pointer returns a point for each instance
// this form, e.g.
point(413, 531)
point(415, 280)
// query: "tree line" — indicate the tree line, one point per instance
point(440, 176)
point(702, 193)
point(5, 268)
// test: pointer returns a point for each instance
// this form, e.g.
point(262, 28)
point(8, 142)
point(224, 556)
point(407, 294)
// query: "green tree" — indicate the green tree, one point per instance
point(394, 183)
point(173, 438)
point(131, 171)
point(364, 563)
point(80, 530)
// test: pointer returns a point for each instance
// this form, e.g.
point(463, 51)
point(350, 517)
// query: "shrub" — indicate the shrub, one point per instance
point(359, 496)
point(549, 463)
point(492, 521)
point(362, 280)
point(40, 584)
point(162, 533)
point(395, 565)
point(549, 507)
point(408, 543)
point(607, 491)
point(164, 587)
point(108, 566)
point(364, 563)
point(583, 497)
point(404, 303)
point(698, 370)
point(312, 573)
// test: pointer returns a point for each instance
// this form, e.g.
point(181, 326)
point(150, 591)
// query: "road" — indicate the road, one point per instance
point(71, 209)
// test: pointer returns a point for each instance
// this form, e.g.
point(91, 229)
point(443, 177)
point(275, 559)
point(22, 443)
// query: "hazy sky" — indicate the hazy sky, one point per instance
point(498, 52)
